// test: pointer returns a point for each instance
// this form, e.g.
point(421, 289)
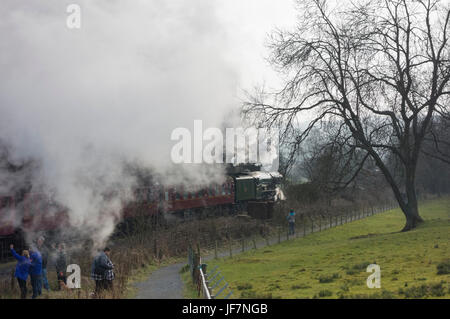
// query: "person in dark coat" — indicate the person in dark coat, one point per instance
point(102, 271)
point(61, 264)
point(36, 272)
point(22, 270)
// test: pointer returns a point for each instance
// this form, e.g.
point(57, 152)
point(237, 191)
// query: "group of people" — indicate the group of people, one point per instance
point(33, 263)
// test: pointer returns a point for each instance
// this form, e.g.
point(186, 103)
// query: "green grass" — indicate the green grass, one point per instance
point(190, 289)
point(332, 263)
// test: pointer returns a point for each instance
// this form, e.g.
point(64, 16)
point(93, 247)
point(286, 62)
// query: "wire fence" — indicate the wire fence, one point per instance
point(273, 234)
point(212, 284)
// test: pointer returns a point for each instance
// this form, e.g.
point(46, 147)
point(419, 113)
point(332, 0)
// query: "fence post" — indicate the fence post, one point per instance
point(312, 226)
point(254, 243)
point(229, 246)
point(243, 244)
point(215, 249)
point(279, 234)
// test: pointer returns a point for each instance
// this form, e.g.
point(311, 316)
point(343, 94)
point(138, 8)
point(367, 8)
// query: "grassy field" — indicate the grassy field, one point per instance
point(332, 263)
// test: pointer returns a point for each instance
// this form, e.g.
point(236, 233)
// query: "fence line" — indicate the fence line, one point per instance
point(302, 229)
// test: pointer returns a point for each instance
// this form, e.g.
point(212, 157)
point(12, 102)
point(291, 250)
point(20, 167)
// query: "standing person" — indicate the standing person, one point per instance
point(291, 221)
point(102, 271)
point(61, 265)
point(44, 254)
point(36, 272)
point(22, 270)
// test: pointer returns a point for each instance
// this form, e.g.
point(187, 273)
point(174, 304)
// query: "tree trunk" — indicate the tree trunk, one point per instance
point(412, 218)
point(408, 205)
point(411, 210)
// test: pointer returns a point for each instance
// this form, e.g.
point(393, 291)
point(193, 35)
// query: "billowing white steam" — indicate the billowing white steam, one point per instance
point(81, 102)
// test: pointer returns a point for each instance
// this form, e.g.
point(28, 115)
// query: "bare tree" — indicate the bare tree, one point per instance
point(380, 69)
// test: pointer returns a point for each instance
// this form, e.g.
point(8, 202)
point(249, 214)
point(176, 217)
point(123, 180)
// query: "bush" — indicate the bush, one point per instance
point(437, 290)
point(361, 267)
point(443, 268)
point(245, 286)
point(414, 292)
point(328, 278)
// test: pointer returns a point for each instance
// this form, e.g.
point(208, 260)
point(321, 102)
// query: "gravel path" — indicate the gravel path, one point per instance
point(164, 283)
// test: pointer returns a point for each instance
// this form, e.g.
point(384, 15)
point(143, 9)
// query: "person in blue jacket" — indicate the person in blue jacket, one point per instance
point(36, 272)
point(22, 270)
point(291, 221)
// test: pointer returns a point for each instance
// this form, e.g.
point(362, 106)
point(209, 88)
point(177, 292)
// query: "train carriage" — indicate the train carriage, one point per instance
point(243, 190)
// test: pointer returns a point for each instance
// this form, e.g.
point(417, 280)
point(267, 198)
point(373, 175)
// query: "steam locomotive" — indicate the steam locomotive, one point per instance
point(246, 188)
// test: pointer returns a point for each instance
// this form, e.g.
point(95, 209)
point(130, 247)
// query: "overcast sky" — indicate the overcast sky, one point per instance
point(248, 22)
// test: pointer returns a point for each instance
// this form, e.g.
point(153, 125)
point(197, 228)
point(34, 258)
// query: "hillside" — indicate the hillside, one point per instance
point(332, 263)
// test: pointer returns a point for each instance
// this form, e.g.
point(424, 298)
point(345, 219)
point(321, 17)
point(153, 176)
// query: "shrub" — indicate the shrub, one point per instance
point(361, 267)
point(244, 286)
point(415, 292)
point(437, 290)
point(328, 278)
point(443, 268)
